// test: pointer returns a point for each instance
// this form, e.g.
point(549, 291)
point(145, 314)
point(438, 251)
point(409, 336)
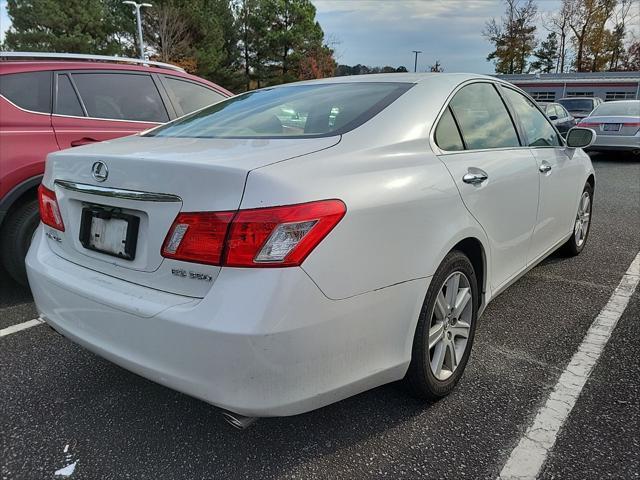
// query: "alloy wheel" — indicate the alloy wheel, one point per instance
point(583, 218)
point(450, 325)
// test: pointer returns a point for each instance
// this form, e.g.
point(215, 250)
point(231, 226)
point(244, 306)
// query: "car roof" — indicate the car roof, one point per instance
point(23, 66)
point(401, 78)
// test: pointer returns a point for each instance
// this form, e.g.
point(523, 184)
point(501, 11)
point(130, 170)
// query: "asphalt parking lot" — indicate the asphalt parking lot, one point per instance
point(65, 407)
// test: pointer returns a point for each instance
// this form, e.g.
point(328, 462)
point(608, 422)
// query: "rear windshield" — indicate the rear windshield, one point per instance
point(624, 109)
point(577, 104)
point(318, 110)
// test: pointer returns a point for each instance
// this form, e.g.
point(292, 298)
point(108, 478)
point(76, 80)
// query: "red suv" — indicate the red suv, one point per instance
point(54, 101)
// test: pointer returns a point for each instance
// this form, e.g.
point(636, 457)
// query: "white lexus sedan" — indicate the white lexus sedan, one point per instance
point(270, 268)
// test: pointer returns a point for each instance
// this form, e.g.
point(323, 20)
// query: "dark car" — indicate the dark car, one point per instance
point(580, 107)
point(559, 116)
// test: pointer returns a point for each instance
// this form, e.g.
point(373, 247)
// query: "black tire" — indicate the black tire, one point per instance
point(420, 379)
point(15, 238)
point(573, 247)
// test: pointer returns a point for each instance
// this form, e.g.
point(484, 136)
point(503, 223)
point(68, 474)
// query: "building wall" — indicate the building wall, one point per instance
point(552, 87)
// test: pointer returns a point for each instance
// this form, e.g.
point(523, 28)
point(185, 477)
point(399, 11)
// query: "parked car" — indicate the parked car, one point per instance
point(580, 107)
point(562, 119)
point(271, 270)
point(50, 102)
point(617, 126)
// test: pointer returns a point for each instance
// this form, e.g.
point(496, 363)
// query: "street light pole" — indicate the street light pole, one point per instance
point(415, 62)
point(138, 6)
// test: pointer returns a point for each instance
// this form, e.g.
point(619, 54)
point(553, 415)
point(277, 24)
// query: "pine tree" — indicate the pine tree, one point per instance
point(546, 55)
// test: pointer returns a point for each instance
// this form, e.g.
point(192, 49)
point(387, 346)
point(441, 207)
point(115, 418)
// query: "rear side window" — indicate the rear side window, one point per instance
point(447, 134)
point(120, 96)
point(483, 118)
point(190, 96)
point(67, 102)
point(29, 90)
point(539, 131)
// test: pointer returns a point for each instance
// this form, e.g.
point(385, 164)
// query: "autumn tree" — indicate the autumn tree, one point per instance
point(513, 37)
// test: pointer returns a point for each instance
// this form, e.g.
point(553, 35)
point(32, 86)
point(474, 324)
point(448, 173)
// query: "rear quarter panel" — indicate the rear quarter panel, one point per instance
point(404, 213)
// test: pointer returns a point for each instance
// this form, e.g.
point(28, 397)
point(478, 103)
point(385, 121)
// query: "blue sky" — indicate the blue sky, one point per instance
point(384, 32)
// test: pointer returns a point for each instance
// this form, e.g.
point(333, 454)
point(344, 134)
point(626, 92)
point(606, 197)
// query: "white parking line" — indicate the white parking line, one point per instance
point(20, 326)
point(527, 458)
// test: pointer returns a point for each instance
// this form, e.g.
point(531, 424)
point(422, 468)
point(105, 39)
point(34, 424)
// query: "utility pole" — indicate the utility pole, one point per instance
point(138, 6)
point(415, 62)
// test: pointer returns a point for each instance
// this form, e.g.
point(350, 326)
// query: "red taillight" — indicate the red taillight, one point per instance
point(197, 237)
point(49, 210)
point(280, 236)
point(261, 237)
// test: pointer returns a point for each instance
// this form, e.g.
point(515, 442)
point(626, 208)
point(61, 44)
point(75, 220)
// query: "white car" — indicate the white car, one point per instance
point(270, 270)
point(617, 126)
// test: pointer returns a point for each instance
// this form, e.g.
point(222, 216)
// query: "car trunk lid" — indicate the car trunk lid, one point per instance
point(148, 182)
point(613, 125)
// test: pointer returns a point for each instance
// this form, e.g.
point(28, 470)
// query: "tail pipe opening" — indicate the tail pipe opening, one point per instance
point(238, 421)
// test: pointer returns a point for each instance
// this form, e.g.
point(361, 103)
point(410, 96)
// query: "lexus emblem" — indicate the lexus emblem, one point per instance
point(100, 171)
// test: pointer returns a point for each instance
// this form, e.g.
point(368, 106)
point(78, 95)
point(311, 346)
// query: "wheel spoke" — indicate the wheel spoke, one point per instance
point(452, 354)
point(435, 334)
point(440, 309)
point(438, 359)
point(452, 289)
point(462, 300)
point(460, 329)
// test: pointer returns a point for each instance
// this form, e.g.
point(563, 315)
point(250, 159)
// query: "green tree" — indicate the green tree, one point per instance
point(546, 55)
point(77, 26)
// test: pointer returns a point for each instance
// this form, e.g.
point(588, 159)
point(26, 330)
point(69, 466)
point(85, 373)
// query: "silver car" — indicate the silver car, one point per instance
point(617, 126)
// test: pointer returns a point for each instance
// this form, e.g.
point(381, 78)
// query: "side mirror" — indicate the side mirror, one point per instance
point(579, 137)
point(553, 117)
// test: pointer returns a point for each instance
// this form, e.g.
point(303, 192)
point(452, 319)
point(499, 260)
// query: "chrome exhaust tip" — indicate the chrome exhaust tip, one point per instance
point(238, 421)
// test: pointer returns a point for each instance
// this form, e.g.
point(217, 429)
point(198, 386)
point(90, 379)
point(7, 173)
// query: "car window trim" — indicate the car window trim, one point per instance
point(121, 72)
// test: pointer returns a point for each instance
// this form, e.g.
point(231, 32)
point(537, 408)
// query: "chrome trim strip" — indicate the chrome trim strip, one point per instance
point(117, 192)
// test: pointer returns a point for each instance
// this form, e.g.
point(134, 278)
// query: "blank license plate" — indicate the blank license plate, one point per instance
point(612, 127)
point(110, 232)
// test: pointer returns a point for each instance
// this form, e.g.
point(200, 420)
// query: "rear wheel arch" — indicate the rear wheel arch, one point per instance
point(20, 194)
point(591, 180)
point(475, 252)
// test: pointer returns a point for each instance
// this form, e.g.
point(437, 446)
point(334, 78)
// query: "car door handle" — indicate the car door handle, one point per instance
point(544, 167)
point(475, 177)
point(82, 141)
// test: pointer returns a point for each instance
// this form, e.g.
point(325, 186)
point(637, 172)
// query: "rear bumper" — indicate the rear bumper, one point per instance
point(615, 143)
point(263, 342)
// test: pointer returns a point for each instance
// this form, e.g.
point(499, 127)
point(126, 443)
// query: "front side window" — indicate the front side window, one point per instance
point(29, 90)
point(540, 133)
point(121, 96)
point(190, 96)
point(483, 118)
point(562, 113)
point(316, 110)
